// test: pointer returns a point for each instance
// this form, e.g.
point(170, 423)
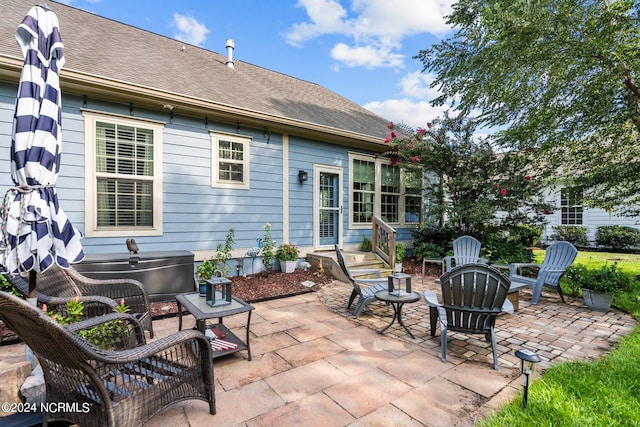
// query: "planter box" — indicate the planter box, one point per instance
point(288, 266)
point(162, 273)
point(597, 301)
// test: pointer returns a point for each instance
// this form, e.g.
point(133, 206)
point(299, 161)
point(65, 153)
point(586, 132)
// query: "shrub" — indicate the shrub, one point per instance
point(8, 287)
point(366, 245)
point(434, 235)
point(400, 250)
point(268, 245)
point(210, 267)
point(574, 234)
point(606, 279)
point(508, 252)
point(617, 237)
point(106, 336)
point(526, 234)
point(428, 250)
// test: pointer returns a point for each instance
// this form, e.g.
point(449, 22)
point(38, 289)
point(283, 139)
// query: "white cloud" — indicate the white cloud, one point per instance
point(365, 56)
point(189, 30)
point(417, 85)
point(411, 112)
point(375, 27)
point(326, 17)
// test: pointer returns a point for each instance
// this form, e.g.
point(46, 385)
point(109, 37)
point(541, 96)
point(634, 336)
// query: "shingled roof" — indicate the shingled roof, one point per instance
point(110, 60)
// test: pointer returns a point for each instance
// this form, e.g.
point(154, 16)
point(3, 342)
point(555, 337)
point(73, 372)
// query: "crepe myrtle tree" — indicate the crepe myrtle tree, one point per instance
point(476, 191)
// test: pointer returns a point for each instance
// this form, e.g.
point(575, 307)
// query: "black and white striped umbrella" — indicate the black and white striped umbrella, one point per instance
point(36, 231)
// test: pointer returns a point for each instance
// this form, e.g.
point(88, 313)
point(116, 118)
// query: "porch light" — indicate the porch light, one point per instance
point(302, 176)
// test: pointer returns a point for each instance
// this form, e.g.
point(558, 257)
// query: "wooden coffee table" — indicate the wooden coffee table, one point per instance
point(198, 308)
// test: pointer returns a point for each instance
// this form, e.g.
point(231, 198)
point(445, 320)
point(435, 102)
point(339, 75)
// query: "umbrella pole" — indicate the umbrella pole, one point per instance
point(32, 283)
point(31, 298)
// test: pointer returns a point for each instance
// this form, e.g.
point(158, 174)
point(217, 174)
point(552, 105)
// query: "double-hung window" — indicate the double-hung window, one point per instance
point(230, 161)
point(378, 188)
point(363, 181)
point(571, 206)
point(124, 176)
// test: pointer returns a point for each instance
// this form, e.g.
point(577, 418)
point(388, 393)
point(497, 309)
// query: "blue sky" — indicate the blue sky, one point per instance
point(360, 49)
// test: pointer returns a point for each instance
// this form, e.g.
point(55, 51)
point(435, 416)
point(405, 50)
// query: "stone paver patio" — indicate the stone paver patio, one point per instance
point(313, 364)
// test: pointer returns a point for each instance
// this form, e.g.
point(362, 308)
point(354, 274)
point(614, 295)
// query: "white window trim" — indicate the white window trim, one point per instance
point(377, 200)
point(246, 161)
point(570, 207)
point(91, 211)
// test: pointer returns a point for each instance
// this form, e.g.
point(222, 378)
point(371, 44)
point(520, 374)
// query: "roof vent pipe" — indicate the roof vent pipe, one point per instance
point(230, 46)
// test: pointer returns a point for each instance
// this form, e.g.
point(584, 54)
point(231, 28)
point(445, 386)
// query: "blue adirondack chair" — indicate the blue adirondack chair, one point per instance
point(466, 250)
point(558, 257)
point(364, 289)
point(473, 295)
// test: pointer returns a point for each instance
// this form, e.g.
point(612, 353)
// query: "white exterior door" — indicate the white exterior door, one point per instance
point(327, 206)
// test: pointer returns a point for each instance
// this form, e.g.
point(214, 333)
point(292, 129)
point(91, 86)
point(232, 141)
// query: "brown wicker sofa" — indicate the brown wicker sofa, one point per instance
point(94, 387)
point(57, 285)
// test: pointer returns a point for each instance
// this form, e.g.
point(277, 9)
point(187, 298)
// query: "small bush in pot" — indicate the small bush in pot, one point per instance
point(607, 280)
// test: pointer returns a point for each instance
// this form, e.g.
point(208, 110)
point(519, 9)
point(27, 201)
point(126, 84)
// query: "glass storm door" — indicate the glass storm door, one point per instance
point(328, 212)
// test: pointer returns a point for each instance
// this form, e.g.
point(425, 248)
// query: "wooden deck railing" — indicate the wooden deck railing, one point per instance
point(384, 241)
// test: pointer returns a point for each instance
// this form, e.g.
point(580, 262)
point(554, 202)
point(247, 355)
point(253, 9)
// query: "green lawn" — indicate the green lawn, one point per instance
point(627, 262)
point(605, 392)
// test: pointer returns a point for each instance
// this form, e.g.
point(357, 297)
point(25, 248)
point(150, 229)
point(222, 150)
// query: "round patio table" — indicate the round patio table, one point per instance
point(397, 299)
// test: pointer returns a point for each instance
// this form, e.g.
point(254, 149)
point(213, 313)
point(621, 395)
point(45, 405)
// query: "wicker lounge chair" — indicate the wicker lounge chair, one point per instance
point(111, 388)
point(473, 295)
point(57, 285)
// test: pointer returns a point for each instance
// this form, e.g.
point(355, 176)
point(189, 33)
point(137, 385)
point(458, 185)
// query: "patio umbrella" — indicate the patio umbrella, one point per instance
point(36, 231)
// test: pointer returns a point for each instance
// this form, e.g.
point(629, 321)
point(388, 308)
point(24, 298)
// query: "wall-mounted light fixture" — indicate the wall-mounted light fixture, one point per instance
point(302, 176)
point(528, 360)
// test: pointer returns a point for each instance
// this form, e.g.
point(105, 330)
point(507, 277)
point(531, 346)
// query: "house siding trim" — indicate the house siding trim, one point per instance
point(285, 189)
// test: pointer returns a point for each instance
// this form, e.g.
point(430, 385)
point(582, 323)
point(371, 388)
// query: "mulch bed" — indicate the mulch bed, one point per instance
point(252, 288)
point(260, 287)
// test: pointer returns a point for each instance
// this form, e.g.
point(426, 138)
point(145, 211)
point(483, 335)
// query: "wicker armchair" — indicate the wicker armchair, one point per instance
point(57, 285)
point(98, 387)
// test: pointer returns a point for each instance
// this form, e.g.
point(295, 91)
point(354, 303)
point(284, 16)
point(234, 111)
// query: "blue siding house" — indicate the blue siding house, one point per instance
point(173, 145)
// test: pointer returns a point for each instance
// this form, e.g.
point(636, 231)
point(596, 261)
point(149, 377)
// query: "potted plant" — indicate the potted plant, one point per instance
point(400, 250)
point(109, 335)
point(598, 286)
point(287, 254)
point(204, 272)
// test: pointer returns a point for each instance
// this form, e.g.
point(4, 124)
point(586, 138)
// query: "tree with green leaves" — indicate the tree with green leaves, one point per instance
point(475, 190)
point(560, 78)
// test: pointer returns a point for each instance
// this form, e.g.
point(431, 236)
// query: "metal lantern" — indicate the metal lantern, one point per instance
point(395, 281)
point(218, 291)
